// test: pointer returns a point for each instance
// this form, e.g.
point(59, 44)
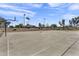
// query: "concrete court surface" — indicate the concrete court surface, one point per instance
point(3, 45)
point(40, 43)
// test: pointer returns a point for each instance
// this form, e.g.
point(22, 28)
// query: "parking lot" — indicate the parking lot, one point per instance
point(40, 43)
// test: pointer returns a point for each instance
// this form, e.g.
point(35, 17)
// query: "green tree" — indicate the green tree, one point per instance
point(28, 26)
point(40, 26)
point(4, 21)
point(19, 26)
point(53, 26)
point(47, 25)
point(74, 21)
point(62, 23)
point(11, 26)
point(70, 23)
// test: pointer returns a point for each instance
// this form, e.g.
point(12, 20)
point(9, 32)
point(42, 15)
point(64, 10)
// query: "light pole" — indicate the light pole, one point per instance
point(44, 21)
point(24, 19)
point(28, 19)
point(5, 29)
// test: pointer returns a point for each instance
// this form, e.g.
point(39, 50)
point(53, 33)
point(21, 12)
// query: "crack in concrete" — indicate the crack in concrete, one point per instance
point(68, 48)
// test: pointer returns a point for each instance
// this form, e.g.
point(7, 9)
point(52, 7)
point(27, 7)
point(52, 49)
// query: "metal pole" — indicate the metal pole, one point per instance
point(6, 39)
point(44, 20)
point(5, 29)
point(24, 19)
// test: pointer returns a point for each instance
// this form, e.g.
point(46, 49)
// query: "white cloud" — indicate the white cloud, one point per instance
point(14, 13)
point(10, 13)
point(54, 4)
point(26, 12)
point(37, 5)
point(16, 10)
point(68, 16)
point(6, 6)
point(74, 7)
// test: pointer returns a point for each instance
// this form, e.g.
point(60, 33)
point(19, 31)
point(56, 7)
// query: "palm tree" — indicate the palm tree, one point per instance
point(70, 23)
point(40, 25)
point(75, 21)
point(62, 23)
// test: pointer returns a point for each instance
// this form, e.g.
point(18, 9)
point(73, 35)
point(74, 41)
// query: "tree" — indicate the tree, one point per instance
point(53, 26)
point(4, 21)
point(4, 24)
point(47, 25)
point(70, 23)
point(40, 26)
point(43, 25)
point(28, 26)
point(74, 21)
point(16, 26)
point(62, 23)
point(77, 20)
point(11, 26)
point(19, 26)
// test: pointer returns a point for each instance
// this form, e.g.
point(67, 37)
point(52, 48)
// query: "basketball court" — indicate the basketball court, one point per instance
point(40, 43)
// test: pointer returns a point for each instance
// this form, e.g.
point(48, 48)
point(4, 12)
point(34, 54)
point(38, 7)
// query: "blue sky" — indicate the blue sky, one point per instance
point(52, 12)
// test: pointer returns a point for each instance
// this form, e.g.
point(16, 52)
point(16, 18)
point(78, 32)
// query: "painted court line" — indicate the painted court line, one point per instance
point(7, 46)
point(68, 48)
point(39, 51)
